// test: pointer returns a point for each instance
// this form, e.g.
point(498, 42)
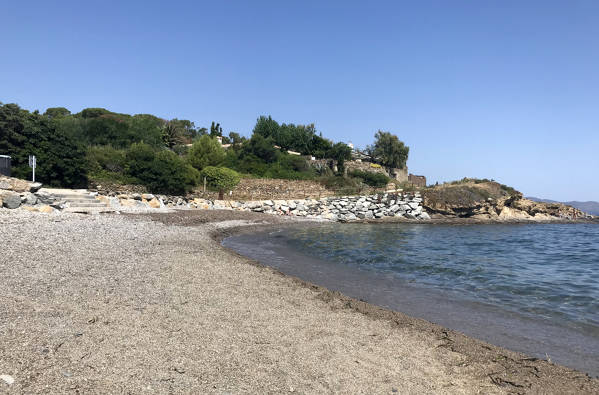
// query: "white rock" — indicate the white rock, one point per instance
point(7, 379)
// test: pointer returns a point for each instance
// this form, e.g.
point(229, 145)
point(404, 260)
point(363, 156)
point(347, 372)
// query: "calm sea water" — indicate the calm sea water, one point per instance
point(533, 288)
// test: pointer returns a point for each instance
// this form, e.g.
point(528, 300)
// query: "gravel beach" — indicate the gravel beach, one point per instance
point(151, 303)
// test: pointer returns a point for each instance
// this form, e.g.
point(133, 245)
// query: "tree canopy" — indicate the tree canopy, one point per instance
point(167, 155)
point(389, 150)
point(60, 158)
point(206, 151)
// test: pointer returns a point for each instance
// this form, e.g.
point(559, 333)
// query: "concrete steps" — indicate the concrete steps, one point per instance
point(79, 201)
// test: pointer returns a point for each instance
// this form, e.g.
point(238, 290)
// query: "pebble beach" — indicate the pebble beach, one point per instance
point(151, 303)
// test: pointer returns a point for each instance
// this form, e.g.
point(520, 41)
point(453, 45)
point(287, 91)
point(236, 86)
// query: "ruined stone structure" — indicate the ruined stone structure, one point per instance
point(417, 181)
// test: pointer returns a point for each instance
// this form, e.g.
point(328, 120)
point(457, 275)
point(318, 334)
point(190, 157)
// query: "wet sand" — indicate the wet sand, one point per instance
point(154, 304)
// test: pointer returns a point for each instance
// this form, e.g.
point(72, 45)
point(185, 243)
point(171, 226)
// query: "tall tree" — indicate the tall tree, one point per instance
point(216, 130)
point(389, 150)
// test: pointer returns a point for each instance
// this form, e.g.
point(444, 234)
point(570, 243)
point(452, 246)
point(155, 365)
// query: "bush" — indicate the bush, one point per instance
point(162, 172)
point(220, 178)
point(171, 174)
point(342, 185)
point(376, 180)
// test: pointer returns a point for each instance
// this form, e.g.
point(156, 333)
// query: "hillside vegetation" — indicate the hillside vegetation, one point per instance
point(168, 156)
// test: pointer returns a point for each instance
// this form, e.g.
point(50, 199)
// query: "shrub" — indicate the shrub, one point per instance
point(220, 178)
point(162, 172)
point(376, 180)
point(342, 185)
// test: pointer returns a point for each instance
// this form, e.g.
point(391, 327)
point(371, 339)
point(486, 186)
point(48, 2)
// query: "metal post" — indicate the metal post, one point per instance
point(32, 164)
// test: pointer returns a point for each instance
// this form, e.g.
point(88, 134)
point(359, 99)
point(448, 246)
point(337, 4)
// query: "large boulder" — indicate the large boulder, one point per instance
point(29, 199)
point(11, 200)
point(18, 185)
point(45, 197)
point(35, 186)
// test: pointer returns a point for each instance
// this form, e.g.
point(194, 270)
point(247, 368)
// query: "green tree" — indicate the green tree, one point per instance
point(389, 150)
point(236, 139)
point(220, 178)
point(260, 147)
point(57, 112)
point(187, 128)
point(93, 112)
point(146, 128)
point(340, 152)
point(216, 130)
point(266, 127)
point(206, 151)
point(60, 159)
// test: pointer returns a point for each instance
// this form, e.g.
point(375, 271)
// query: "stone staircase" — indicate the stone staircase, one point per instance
point(79, 201)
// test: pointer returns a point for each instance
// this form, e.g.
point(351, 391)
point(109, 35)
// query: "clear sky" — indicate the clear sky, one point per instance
point(492, 89)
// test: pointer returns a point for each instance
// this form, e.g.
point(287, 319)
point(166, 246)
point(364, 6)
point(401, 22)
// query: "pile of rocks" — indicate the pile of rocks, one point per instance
point(15, 193)
point(345, 208)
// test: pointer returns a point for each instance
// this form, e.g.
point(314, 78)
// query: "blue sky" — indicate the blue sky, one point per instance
point(498, 89)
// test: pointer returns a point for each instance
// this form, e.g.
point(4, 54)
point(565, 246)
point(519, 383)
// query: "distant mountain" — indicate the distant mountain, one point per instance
point(588, 207)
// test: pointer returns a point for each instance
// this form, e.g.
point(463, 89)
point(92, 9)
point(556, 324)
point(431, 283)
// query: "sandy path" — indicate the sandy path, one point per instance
point(112, 304)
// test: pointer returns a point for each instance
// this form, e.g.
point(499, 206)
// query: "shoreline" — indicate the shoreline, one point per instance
point(152, 303)
point(521, 372)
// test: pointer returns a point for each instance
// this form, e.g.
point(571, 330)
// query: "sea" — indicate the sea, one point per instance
point(532, 288)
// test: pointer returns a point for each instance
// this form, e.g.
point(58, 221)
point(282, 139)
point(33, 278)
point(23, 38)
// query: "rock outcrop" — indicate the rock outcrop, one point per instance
point(492, 201)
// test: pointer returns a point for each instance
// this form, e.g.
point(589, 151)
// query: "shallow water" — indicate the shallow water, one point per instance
point(532, 288)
